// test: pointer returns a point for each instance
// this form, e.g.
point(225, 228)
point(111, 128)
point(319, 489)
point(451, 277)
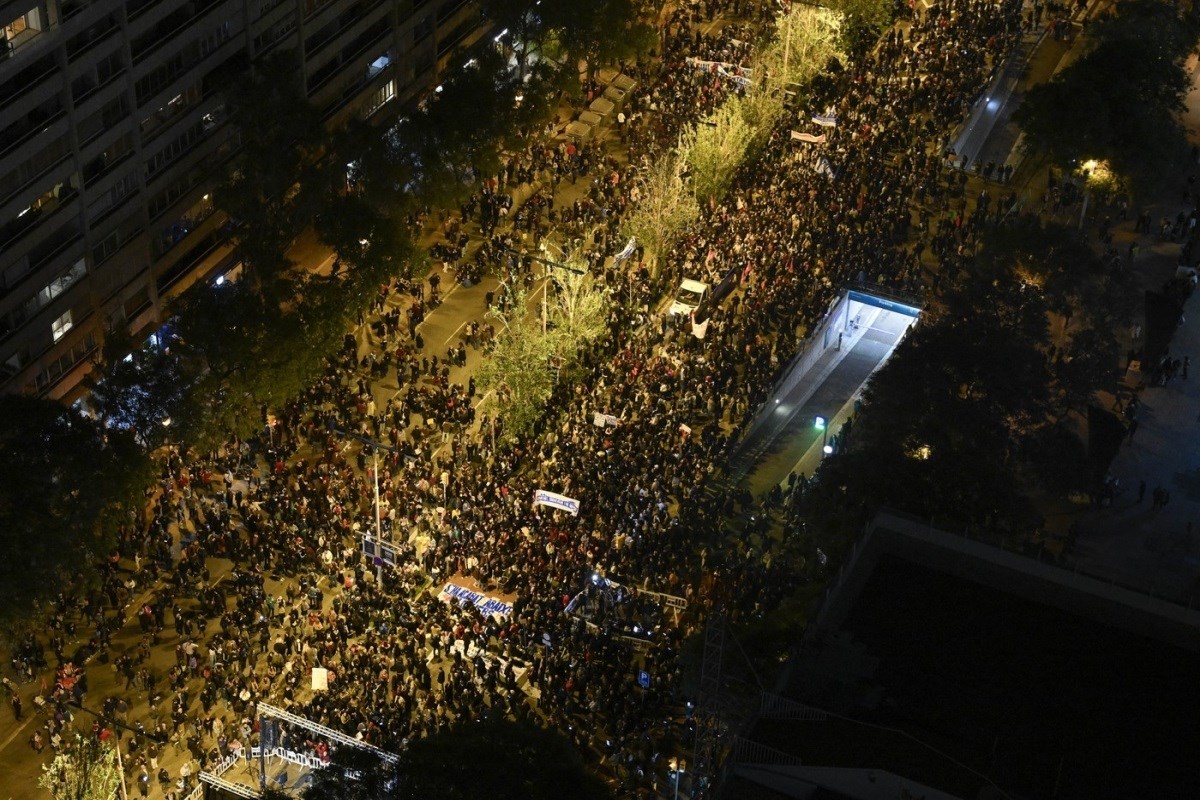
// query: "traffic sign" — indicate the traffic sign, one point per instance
point(644, 679)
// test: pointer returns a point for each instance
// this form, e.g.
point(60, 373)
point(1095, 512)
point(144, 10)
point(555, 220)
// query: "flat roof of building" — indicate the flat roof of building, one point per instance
point(1048, 683)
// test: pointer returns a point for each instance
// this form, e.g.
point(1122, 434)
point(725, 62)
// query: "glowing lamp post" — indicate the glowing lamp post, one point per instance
point(820, 424)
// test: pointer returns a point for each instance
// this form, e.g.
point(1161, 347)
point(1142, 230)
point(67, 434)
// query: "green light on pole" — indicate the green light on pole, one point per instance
point(819, 424)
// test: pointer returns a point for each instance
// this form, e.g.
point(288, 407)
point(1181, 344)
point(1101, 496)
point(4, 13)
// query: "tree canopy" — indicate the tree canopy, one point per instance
point(64, 479)
point(85, 771)
point(507, 761)
point(495, 758)
point(664, 206)
point(1119, 101)
point(281, 176)
point(519, 368)
point(957, 426)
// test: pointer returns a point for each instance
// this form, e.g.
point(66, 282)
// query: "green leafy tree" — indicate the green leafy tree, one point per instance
point(664, 207)
point(807, 39)
point(1089, 364)
point(86, 771)
point(254, 353)
point(864, 20)
point(1091, 297)
point(371, 247)
point(597, 32)
point(468, 122)
point(518, 369)
point(381, 170)
point(66, 482)
point(947, 421)
point(579, 312)
point(526, 28)
point(716, 148)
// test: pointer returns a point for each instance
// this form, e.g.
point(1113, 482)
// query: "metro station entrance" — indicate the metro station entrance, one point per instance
point(857, 335)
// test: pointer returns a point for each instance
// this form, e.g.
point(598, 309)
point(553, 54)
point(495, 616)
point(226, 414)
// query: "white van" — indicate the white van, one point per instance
point(690, 296)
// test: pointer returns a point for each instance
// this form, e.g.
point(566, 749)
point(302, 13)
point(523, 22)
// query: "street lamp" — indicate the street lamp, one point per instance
point(819, 424)
point(374, 445)
point(549, 264)
point(677, 769)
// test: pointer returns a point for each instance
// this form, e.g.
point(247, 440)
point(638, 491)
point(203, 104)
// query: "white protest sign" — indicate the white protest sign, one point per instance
point(563, 503)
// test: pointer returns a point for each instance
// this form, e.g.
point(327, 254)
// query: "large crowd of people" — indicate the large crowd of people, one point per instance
point(586, 608)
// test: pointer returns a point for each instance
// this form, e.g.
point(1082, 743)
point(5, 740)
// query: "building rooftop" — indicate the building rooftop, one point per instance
point(1047, 683)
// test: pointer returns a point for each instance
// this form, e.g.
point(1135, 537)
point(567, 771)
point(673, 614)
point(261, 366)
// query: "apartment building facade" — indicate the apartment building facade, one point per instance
point(114, 129)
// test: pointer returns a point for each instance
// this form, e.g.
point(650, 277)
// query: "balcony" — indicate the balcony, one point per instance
point(61, 242)
point(66, 239)
point(191, 259)
point(365, 41)
point(43, 211)
point(102, 165)
point(210, 151)
point(36, 122)
point(448, 9)
point(70, 9)
point(10, 46)
point(359, 15)
point(160, 81)
point(28, 79)
point(451, 39)
point(89, 90)
point(81, 43)
point(136, 8)
point(171, 25)
point(41, 171)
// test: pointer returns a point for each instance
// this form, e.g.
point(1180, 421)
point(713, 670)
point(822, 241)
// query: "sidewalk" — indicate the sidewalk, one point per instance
point(1153, 550)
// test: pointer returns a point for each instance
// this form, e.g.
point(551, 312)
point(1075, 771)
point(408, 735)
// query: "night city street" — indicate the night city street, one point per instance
point(598, 399)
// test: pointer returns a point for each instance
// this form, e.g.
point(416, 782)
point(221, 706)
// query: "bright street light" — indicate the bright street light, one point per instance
point(677, 768)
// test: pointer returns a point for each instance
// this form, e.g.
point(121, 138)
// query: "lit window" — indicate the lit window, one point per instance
point(377, 100)
point(60, 326)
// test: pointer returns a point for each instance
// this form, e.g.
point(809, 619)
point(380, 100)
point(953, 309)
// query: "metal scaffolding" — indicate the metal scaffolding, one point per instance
point(705, 755)
point(267, 710)
point(229, 786)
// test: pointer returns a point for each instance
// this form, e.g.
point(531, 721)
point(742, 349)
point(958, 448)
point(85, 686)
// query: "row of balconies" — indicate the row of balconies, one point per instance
point(357, 40)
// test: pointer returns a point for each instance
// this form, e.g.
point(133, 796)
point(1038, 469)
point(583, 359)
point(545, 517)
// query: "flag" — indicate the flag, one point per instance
point(797, 136)
point(626, 252)
point(824, 167)
point(699, 329)
point(825, 120)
